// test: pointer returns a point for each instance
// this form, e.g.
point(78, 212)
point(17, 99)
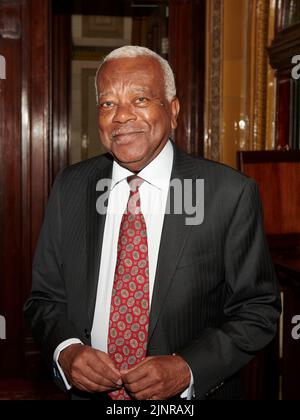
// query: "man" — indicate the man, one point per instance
point(134, 302)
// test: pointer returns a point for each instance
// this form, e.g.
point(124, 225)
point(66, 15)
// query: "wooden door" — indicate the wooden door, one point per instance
point(26, 160)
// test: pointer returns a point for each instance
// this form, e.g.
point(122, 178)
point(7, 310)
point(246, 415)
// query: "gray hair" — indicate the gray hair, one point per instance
point(132, 51)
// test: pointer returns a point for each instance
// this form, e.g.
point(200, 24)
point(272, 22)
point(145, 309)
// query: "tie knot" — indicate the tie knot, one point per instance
point(134, 182)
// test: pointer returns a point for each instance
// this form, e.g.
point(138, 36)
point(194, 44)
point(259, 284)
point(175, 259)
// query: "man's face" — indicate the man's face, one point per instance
point(135, 118)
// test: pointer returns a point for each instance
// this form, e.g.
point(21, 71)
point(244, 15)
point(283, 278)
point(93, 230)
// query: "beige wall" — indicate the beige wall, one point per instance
point(234, 79)
point(240, 115)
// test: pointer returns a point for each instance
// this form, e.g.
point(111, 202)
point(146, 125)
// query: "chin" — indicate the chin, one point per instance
point(130, 160)
point(130, 156)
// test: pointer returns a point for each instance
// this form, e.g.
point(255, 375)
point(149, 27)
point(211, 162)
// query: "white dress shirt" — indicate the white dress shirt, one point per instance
point(153, 194)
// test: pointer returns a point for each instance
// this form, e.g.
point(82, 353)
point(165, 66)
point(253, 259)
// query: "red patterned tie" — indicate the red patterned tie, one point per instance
point(129, 313)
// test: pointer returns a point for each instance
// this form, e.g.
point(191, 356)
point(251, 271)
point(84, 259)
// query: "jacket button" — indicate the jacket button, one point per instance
point(87, 333)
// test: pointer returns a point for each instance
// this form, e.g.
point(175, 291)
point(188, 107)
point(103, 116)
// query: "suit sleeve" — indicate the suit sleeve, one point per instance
point(46, 309)
point(252, 306)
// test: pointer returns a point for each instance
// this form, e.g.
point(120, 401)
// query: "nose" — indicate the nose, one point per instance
point(124, 113)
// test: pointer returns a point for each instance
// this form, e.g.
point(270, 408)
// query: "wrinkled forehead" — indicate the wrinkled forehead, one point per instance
point(144, 71)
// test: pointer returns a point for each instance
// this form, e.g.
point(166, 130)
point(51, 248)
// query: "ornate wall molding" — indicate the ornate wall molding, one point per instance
point(259, 66)
point(214, 82)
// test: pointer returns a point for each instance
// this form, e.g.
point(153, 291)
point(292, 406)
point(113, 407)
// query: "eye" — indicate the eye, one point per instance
point(106, 105)
point(141, 101)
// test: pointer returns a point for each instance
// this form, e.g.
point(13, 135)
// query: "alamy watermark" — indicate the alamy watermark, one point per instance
point(296, 69)
point(2, 67)
point(296, 329)
point(185, 197)
point(2, 328)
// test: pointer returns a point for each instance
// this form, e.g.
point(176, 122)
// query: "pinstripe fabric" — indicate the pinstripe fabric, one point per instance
point(215, 300)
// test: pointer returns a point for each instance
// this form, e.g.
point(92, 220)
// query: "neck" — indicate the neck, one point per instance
point(137, 167)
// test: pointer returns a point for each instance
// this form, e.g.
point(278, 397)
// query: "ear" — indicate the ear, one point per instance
point(175, 108)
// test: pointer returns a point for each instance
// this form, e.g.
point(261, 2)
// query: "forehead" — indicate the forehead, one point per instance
point(138, 71)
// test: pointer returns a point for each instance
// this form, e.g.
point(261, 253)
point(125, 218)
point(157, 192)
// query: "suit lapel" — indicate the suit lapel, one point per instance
point(95, 224)
point(174, 237)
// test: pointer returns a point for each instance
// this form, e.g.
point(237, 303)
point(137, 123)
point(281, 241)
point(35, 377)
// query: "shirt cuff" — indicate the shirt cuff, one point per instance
point(188, 394)
point(56, 355)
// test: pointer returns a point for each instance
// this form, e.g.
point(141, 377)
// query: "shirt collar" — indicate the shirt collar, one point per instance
point(157, 173)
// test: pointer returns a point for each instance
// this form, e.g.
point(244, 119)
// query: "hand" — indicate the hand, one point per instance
point(157, 378)
point(89, 370)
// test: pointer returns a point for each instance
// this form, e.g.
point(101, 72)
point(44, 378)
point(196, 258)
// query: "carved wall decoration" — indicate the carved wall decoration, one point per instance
point(257, 85)
point(213, 82)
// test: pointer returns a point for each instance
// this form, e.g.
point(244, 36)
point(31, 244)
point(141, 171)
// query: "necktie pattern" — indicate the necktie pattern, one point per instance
point(129, 313)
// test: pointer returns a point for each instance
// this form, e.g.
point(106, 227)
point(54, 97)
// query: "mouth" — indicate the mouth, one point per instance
point(121, 136)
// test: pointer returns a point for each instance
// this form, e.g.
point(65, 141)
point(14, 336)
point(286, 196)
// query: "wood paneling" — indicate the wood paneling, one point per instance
point(19, 389)
point(285, 251)
point(187, 55)
point(283, 111)
point(24, 143)
point(277, 175)
point(60, 92)
point(285, 45)
point(289, 276)
point(10, 188)
point(35, 140)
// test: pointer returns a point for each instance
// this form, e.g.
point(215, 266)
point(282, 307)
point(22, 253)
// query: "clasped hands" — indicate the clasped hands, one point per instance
point(155, 378)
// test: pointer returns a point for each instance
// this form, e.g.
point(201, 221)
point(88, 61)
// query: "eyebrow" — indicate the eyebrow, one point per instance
point(133, 90)
point(104, 94)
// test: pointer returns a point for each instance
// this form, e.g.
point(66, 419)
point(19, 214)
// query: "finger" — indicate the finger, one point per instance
point(102, 372)
point(147, 394)
point(85, 384)
point(142, 363)
point(141, 385)
point(155, 398)
point(135, 374)
point(94, 372)
point(108, 362)
point(100, 379)
point(104, 367)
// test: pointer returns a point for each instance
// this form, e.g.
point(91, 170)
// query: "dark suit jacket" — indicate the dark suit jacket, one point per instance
point(215, 299)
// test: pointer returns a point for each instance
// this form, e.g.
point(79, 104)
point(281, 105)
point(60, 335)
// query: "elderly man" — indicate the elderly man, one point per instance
point(134, 302)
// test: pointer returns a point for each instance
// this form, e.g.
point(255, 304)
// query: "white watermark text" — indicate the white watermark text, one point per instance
point(296, 68)
point(2, 328)
point(2, 67)
point(296, 329)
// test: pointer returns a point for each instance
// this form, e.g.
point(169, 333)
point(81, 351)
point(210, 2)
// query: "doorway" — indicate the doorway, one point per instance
point(90, 30)
point(95, 30)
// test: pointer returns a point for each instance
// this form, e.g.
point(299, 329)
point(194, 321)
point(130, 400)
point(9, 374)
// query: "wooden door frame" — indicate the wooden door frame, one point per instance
point(187, 58)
